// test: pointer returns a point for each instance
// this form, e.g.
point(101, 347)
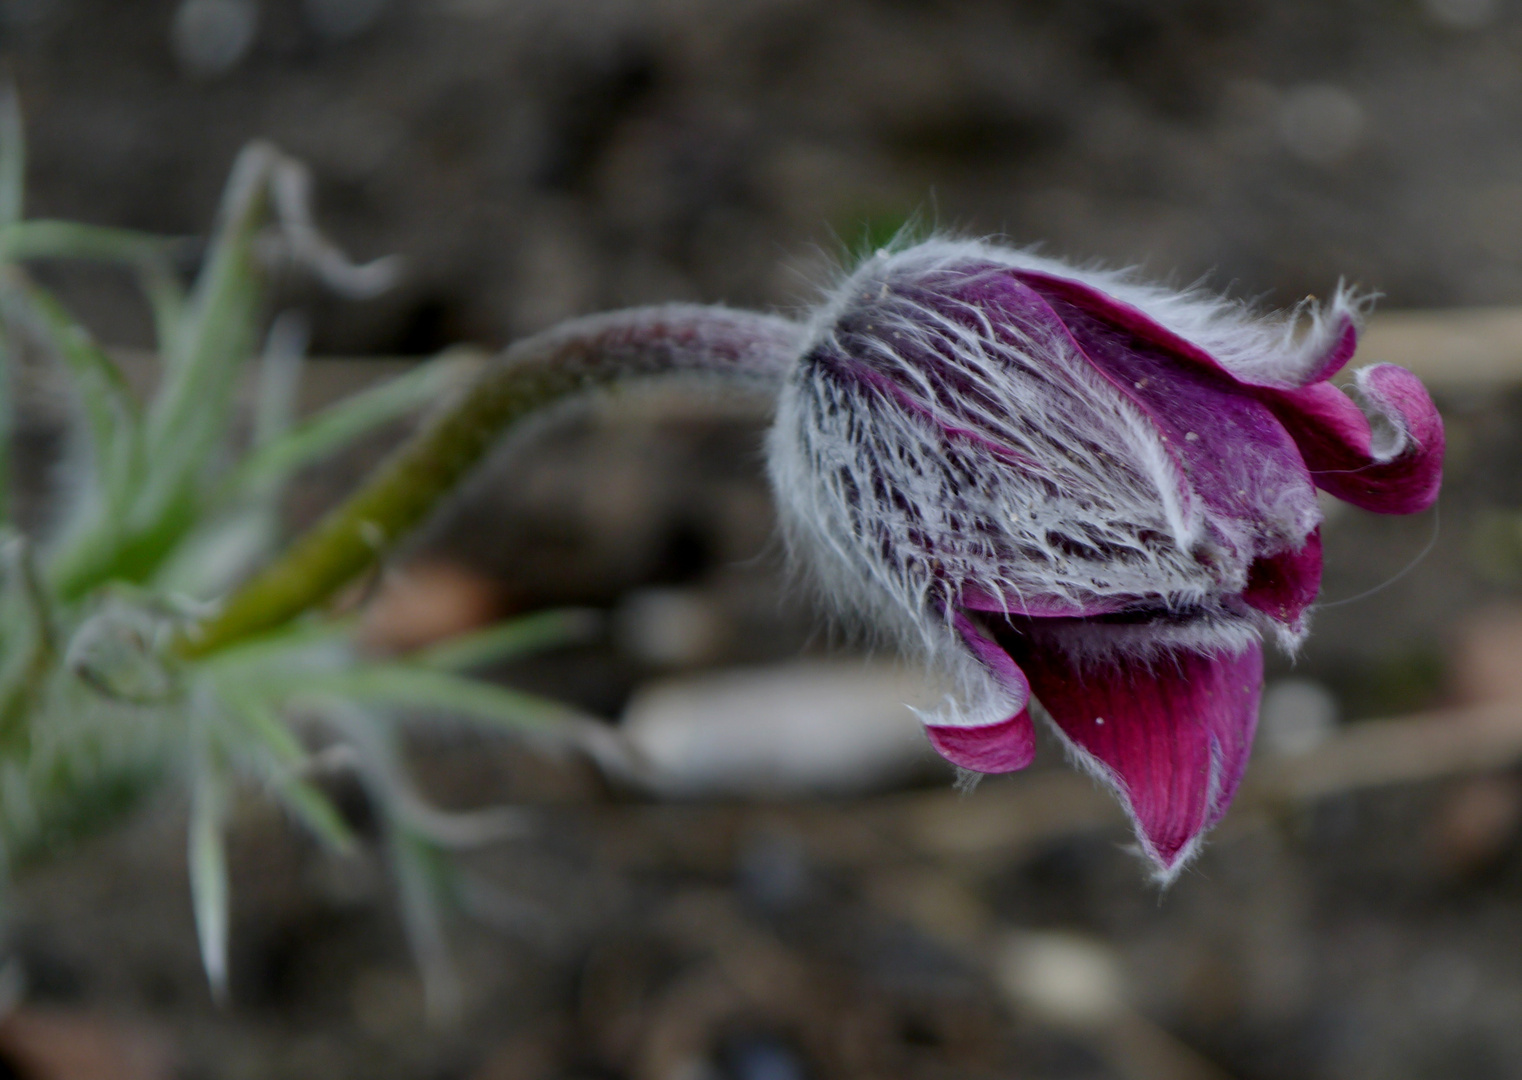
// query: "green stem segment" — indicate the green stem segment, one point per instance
point(539, 371)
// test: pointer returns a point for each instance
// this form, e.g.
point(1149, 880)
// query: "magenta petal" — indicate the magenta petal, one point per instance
point(1123, 317)
point(992, 748)
point(1282, 586)
point(1337, 356)
point(998, 662)
point(1135, 321)
point(1236, 456)
point(1005, 745)
point(1171, 737)
point(1338, 442)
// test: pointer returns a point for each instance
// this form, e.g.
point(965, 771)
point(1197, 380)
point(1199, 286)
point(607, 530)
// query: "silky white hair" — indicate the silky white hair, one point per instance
point(1081, 504)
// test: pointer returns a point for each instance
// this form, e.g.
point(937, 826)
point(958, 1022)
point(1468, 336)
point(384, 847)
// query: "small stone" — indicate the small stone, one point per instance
point(211, 37)
point(1062, 978)
point(797, 729)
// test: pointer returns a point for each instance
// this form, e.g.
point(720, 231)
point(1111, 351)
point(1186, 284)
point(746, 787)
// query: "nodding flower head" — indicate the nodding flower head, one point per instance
point(1063, 483)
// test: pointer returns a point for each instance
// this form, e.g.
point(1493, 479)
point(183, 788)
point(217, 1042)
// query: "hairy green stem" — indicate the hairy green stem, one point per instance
point(577, 356)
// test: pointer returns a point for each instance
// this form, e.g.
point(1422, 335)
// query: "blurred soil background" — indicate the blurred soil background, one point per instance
point(535, 159)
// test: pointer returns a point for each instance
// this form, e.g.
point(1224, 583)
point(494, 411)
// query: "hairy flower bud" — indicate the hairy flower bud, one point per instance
point(1065, 483)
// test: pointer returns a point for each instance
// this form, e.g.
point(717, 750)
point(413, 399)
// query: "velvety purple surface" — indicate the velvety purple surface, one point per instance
point(1135, 321)
point(993, 657)
point(1236, 457)
point(992, 748)
point(1172, 736)
point(1330, 431)
point(1337, 357)
point(1337, 441)
point(1283, 585)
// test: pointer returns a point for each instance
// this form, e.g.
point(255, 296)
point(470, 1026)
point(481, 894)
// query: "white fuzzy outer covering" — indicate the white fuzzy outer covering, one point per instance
point(896, 521)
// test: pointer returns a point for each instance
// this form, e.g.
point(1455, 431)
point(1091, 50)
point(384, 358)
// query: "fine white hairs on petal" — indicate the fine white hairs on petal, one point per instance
point(1164, 872)
point(1280, 349)
point(1059, 497)
point(1389, 435)
point(1098, 646)
point(892, 513)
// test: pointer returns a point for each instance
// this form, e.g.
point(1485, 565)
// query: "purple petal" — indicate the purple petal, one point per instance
point(1124, 317)
point(1282, 586)
point(1171, 737)
point(991, 655)
point(1007, 746)
point(1135, 321)
point(1237, 457)
point(1337, 355)
point(1003, 746)
point(1338, 442)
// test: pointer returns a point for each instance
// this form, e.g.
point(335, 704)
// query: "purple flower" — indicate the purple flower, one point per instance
point(1062, 483)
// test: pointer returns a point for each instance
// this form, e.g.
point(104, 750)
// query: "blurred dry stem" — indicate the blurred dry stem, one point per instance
point(1005, 815)
point(1462, 348)
point(1414, 749)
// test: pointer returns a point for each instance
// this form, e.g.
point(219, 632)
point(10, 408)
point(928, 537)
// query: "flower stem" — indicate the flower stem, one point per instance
point(574, 357)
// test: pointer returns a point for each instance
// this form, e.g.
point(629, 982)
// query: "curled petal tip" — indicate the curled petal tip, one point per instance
point(1417, 448)
point(1344, 345)
point(1007, 746)
point(1389, 460)
point(1001, 746)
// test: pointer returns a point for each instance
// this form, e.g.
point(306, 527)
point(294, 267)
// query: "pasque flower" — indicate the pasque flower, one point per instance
point(1065, 484)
